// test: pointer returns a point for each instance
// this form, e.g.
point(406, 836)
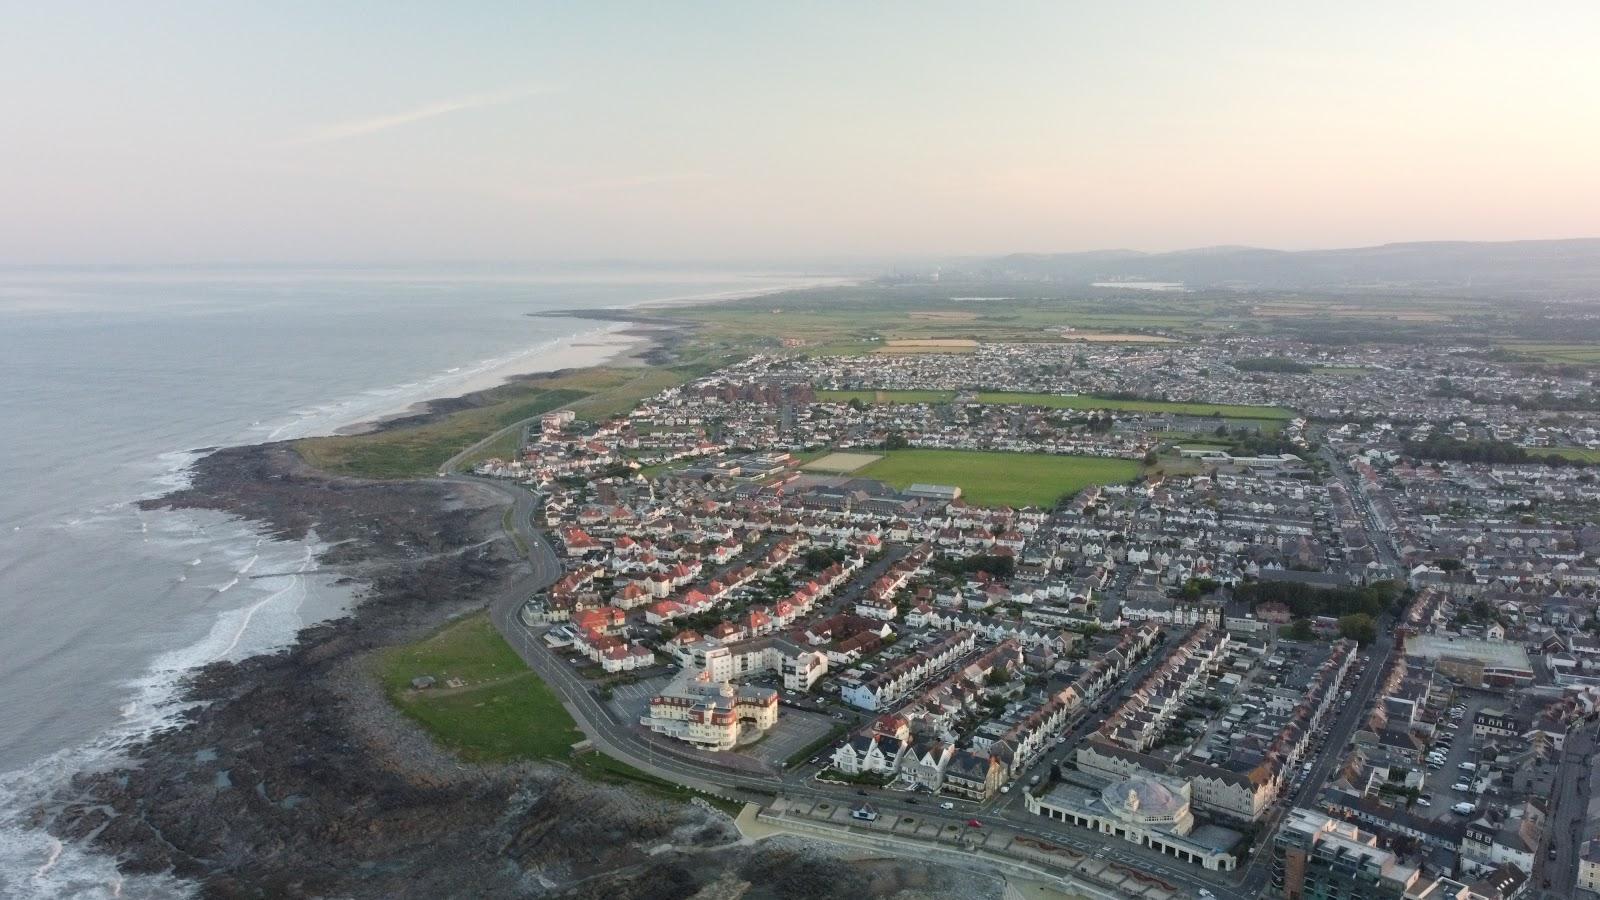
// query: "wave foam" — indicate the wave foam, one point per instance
point(33, 863)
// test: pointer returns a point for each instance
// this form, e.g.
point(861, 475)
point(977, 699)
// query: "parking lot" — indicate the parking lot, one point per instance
point(794, 732)
point(1463, 748)
point(630, 702)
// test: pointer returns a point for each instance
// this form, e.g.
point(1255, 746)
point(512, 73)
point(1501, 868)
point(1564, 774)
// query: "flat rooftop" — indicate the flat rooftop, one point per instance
point(1490, 653)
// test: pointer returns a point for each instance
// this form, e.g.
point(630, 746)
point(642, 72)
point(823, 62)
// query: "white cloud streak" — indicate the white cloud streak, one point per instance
point(355, 128)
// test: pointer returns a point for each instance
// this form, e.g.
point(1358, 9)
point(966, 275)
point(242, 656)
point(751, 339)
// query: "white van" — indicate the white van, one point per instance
point(1468, 767)
point(1462, 809)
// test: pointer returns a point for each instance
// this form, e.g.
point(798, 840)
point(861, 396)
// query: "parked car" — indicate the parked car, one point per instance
point(947, 805)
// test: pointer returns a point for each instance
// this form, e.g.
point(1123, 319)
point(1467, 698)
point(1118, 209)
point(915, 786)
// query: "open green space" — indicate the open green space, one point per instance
point(1001, 479)
point(1058, 401)
point(1555, 352)
point(1578, 453)
point(412, 451)
point(503, 711)
point(417, 450)
point(887, 396)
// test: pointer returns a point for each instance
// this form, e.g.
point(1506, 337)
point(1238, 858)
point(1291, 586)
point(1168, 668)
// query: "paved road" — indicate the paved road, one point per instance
point(1568, 815)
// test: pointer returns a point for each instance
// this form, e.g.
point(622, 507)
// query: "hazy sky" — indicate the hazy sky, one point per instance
point(322, 131)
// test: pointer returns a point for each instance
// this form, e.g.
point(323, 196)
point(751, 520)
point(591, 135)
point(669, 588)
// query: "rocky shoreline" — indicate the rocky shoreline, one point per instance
point(293, 776)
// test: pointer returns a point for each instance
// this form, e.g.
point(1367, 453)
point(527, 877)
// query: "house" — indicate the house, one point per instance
point(925, 762)
point(973, 776)
point(869, 753)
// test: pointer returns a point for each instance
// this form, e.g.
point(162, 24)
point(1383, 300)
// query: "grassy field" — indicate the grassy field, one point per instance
point(417, 451)
point(1057, 401)
point(1584, 354)
point(1577, 453)
point(503, 712)
point(887, 396)
point(996, 479)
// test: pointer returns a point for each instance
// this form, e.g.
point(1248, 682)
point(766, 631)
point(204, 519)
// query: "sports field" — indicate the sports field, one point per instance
point(1001, 479)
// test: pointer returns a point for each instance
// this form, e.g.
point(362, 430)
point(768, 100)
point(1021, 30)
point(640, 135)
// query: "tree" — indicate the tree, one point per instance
point(1300, 630)
point(1358, 627)
point(998, 676)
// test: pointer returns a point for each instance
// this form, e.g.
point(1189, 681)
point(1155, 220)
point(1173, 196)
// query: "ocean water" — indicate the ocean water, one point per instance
point(111, 379)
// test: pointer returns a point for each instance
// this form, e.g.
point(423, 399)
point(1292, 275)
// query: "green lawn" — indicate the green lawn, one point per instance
point(996, 479)
point(1556, 353)
point(504, 712)
point(418, 451)
point(1577, 453)
point(887, 396)
point(1057, 401)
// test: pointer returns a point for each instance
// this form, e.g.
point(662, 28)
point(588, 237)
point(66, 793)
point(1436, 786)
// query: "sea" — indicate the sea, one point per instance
point(113, 380)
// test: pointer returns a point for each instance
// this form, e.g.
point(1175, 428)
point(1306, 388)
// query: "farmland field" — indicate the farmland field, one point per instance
point(1556, 353)
point(995, 479)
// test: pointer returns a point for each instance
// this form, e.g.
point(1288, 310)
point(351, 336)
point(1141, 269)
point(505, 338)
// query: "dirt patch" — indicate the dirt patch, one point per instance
point(842, 462)
point(925, 343)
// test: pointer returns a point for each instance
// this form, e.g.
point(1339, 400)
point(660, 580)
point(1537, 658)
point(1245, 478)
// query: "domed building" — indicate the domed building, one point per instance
point(1150, 810)
point(1150, 802)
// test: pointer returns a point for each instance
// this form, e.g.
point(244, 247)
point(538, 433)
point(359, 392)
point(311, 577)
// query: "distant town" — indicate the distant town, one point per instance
point(1236, 616)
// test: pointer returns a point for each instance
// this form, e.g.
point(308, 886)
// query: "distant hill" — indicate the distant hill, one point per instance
point(1564, 265)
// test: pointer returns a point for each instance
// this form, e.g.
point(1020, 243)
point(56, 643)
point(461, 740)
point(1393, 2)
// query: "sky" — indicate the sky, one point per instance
point(189, 132)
